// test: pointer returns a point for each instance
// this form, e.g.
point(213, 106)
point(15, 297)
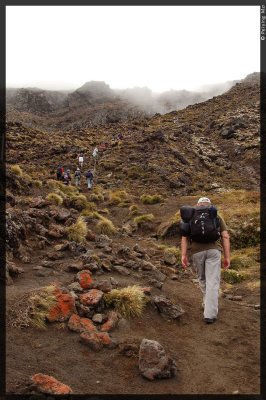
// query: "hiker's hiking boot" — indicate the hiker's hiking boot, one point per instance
point(209, 320)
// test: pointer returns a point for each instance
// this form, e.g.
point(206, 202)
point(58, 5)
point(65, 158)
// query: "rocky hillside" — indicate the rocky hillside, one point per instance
point(213, 145)
point(95, 104)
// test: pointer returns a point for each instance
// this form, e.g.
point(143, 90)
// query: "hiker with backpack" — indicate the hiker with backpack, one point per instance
point(77, 176)
point(95, 153)
point(89, 177)
point(205, 234)
point(81, 160)
point(59, 172)
point(66, 178)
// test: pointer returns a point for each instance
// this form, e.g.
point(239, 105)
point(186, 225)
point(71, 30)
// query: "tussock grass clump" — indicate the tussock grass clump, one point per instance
point(151, 199)
point(77, 201)
point(54, 198)
point(168, 251)
point(98, 197)
point(105, 226)
point(118, 197)
point(142, 219)
point(231, 276)
point(77, 232)
point(16, 170)
point(239, 261)
point(91, 214)
point(129, 301)
point(66, 189)
point(32, 308)
point(90, 206)
point(134, 209)
point(37, 183)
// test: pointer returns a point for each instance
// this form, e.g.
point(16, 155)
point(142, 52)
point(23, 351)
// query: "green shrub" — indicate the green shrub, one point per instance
point(172, 251)
point(54, 198)
point(231, 276)
point(151, 199)
point(78, 231)
point(240, 261)
point(129, 301)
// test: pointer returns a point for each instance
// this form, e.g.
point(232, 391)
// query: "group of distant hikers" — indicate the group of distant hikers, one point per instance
point(65, 175)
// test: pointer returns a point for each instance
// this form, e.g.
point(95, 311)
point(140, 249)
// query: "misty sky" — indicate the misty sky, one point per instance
point(161, 47)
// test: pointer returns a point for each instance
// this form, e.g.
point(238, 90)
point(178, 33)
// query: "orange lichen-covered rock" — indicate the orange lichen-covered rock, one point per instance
point(97, 340)
point(91, 298)
point(49, 385)
point(84, 278)
point(78, 324)
point(64, 307)
point(111, 323)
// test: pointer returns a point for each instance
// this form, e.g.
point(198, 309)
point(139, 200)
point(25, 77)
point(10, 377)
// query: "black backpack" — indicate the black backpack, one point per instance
point(89, 175)
point(201, 224)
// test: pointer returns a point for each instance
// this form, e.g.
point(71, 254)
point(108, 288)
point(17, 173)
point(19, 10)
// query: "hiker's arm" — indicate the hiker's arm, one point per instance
point(226, 247)
point(184, 245)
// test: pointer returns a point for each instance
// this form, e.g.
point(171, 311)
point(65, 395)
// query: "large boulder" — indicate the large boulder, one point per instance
point(153, 362)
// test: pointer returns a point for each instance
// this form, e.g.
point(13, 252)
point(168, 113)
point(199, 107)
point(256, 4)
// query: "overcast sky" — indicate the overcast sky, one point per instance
point(161, 47)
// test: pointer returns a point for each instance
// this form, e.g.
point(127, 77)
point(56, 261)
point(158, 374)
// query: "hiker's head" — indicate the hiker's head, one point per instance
point(78, 169)
point(204, 201)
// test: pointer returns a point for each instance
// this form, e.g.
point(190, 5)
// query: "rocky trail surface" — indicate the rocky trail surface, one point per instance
point(79, 246)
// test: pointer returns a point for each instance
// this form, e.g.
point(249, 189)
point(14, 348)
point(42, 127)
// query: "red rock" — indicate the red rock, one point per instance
point(111, 323)
point(64, 307)
point(97, 340)
point(84, 279)
point(78, 324)
point(91, 298)
point(48, 384)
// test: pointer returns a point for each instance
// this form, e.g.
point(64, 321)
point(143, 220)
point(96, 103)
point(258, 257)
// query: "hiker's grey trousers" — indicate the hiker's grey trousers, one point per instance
point(207, 264)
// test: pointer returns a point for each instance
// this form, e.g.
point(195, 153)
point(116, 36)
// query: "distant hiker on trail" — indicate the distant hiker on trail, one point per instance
point(77, 176)
point(95, 153)
point(59, 172)
point(81, 160)
point(89, 177)
point(204, 232)
point(66, 178)
point(120, 136)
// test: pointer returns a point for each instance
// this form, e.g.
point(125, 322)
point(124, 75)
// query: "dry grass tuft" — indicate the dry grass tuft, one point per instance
point(16, 170)
point(32, 308)
point(142, 219)
point(106, 227)
point(37, 183)
point(77, 232)
point(54, 198)
point(151, 199)
point(118, 197)
point(134, 209)
point(77, 201)
point(129, 301)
